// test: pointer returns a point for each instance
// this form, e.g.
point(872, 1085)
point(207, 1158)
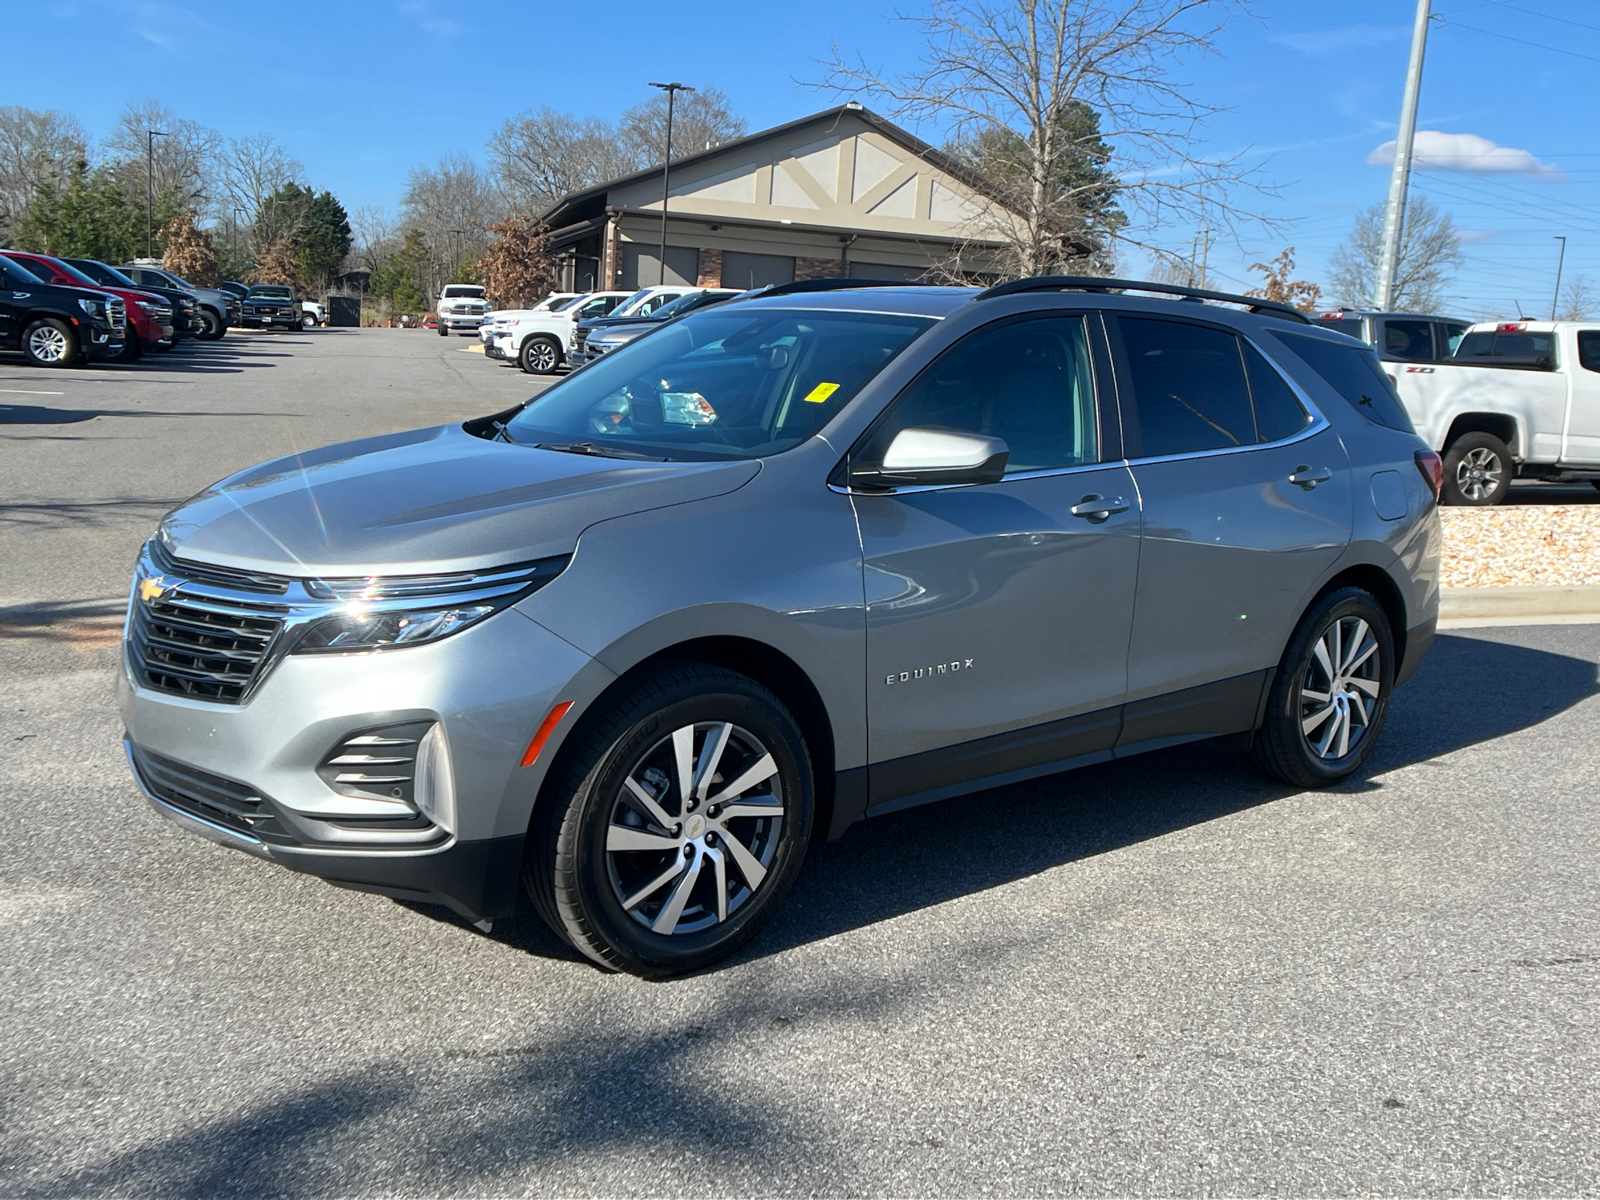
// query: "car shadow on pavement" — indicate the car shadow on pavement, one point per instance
point(887, 866)
point(39, 414)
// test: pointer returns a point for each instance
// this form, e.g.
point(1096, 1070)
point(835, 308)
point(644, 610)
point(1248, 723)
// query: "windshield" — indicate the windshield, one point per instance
point(178, 279)
point(77, 276)
point(273, 291)
point(724, 383)
point(18, 271)
point(564, 302)
point(627, 307)
point(688, 303)
point(456, 292)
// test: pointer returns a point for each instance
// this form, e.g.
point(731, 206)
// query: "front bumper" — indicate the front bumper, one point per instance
point(487, 688)
point(461, 324)
point(499, 348)
point(102, 341)
point(273, 319)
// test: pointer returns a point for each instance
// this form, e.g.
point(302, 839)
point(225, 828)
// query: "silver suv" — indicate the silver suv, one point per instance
point(817, 554)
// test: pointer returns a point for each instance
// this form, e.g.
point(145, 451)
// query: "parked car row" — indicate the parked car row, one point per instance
point(41, 315)
point(572, 328)
point(1500, 400)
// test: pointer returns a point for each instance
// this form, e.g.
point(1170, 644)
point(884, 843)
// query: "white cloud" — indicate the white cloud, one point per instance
point(1331, 43)
point(1464, 152)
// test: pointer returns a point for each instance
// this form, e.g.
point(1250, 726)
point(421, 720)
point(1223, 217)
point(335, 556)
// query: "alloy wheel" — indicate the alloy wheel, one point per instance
point(1478, 474)
point(1339, 692)
point(48, 344)
point(541, 357)
point(694, 829)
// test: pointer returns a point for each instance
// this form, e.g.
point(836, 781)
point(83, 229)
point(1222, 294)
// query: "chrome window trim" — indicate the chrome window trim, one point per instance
point(1042, 473)
point(1318, 422)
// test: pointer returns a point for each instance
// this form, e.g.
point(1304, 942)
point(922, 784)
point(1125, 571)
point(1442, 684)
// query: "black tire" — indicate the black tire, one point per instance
point(1283, 747)
point(50, 342)
point(212, 327)
point(1478, 470)
point(132, 349)
point(540, 355)
point(443, 332)
point(581, 882)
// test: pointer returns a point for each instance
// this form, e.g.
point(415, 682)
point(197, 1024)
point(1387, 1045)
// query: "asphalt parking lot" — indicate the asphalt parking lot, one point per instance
point(1162, 976)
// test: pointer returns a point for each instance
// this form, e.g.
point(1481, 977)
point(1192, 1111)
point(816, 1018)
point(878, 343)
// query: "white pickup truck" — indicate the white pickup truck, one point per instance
point(539, 340)
point(1516, 399)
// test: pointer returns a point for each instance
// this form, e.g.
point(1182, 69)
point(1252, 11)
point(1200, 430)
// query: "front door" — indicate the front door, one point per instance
point(1247, 502)
point(997, 616)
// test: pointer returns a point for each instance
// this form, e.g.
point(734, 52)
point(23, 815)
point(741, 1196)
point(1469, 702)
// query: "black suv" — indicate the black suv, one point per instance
point(185, 308)
point(57, 326)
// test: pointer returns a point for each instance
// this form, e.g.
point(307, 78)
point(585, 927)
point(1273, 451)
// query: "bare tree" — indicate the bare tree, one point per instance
point(541, 156)
point(376, 237)
point(1579, 300)
point(701, 120)
point(181, 162)
point(451, 205)
point(1430, 250)
point(1025, 68)
point(248, 170)
point(35, 148)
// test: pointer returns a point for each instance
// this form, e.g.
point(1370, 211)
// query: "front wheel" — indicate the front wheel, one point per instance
point(50, 343)
point(308, 321)
point(673, 827)
point(1331, 693)
point(1478, 470)
point(540, 356)
point(443, 332)
point(211, 326)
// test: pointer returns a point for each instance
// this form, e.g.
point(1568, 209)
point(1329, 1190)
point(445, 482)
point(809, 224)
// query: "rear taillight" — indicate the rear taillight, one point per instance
point(1432, 468)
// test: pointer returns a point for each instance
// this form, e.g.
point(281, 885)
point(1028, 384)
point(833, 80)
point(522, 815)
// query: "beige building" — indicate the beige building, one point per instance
point(843, 192)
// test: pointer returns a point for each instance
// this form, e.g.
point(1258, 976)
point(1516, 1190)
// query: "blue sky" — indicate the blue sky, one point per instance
point(361, 92)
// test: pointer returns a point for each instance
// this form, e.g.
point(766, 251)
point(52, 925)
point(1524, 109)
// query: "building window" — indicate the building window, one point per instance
point(641, 265)
point(755, 270)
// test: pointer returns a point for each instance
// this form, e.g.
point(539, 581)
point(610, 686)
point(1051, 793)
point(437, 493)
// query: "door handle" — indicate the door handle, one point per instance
point(1307, 478)
point(1097, 508)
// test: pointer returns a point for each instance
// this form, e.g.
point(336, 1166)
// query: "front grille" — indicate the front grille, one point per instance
point(224, 802)
point(117, 313)
point(217, 576)
point(202, 648)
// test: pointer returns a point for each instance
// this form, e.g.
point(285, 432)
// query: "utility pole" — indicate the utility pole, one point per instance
point(150, 136)
point(1560, 262)
point(237, 213)
point(456, 254)
point(1394, 215)
point(1205, 255)
point(671, 89)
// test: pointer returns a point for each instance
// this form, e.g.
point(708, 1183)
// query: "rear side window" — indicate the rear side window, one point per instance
point(1410, 340)
point(1189, 387)
point(1355, 375)
point(1589, 349)
point(1279, 413)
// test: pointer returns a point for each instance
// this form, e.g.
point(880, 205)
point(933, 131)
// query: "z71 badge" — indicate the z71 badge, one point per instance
point(949, 668)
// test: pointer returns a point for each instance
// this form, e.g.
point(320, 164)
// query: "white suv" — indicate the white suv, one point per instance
point(462, 308)
point(501, 320)
point(539, 342)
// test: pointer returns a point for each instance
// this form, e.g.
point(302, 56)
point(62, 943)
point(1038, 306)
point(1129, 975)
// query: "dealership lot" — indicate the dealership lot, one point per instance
point(1163, 975)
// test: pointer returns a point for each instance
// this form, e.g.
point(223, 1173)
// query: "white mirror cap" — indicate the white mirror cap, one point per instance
point(937, 450)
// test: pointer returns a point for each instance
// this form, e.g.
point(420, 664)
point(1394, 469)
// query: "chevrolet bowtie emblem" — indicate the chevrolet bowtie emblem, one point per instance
point(154, 587)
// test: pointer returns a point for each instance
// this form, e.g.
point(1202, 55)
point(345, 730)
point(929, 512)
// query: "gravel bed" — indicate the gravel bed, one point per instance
point(1518, 546)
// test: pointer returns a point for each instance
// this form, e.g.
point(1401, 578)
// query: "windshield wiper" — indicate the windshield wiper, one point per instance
point(597, 451)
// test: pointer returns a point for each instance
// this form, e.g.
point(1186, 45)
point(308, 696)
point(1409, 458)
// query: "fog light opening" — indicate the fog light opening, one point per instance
point(435, 794)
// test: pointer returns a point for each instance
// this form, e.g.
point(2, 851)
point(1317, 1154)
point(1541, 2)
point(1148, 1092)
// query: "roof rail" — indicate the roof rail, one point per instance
point(1089, 283)
point(826, 285)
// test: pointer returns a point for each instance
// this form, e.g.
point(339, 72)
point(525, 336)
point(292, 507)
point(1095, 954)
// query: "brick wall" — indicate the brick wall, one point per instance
point(611, 260)
point(709, 273)
point(815, 268)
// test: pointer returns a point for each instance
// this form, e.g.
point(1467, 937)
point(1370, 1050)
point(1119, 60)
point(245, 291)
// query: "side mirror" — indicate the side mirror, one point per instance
point(927, 456)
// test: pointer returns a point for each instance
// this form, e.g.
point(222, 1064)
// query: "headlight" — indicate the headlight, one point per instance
point(382, 612)
point(92, 307)
point(152, 309)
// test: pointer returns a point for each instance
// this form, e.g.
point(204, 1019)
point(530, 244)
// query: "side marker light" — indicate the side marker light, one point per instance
point(546, 728)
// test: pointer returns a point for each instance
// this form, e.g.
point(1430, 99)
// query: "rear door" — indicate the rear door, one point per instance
point(1246, 496)
point(998, 615)
point(1583, 419)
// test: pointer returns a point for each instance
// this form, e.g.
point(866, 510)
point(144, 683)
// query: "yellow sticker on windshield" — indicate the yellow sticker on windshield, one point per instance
point(821, 392)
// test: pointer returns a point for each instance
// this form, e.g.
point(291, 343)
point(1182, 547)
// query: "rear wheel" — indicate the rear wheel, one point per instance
point(1331, 693)
point(50, 343)
point(540, 355)
point(674, 826)
point(1478, 470)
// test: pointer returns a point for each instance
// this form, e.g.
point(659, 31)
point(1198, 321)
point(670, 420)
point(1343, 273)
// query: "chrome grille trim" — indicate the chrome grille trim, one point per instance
point(117, 312)
point(212, 633)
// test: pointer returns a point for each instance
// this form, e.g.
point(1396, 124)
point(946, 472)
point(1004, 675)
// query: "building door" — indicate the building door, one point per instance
point(755, 270)
point(998, 615)
point(641, 265)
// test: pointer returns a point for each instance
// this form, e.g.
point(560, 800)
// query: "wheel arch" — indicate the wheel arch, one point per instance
point(1505, 426)
point(769, 666)
point(1371, 578)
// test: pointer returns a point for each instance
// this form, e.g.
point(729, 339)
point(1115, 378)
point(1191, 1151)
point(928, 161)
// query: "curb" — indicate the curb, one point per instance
point(1556, 601)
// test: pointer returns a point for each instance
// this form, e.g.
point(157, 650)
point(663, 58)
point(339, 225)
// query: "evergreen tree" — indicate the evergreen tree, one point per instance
point(91, 217)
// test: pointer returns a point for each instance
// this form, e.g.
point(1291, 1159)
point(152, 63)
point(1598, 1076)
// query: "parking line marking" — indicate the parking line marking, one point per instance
point(26, 392)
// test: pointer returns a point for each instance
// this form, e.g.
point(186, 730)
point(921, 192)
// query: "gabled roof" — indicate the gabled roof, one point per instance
point(590, 202)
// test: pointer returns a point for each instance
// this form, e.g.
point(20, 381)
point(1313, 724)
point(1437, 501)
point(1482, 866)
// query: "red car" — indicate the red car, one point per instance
point(149, 315)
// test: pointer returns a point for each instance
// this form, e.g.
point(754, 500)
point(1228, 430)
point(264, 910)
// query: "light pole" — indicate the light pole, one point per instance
point(1560, 262)
point(1394, 215)
point(455, 249)
point(150, 136)
point(671, 89)
point(237, 213)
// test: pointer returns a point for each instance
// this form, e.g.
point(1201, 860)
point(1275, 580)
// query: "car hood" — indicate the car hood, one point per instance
point(429, 500)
